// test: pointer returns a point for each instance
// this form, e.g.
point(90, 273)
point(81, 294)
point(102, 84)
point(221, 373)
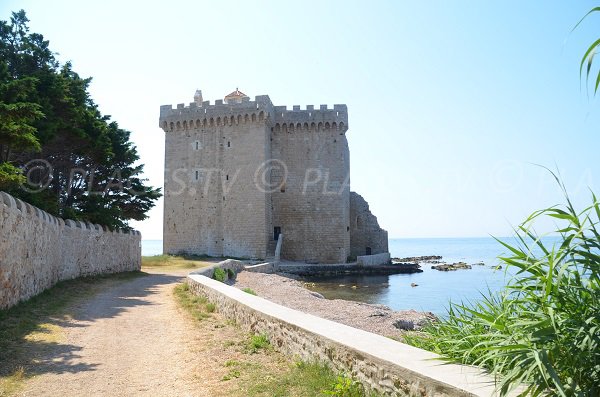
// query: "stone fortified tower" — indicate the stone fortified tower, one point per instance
point(240, 173)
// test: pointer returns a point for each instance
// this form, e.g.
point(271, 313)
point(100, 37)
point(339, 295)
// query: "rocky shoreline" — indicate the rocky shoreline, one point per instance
point(378, 319)
point(436, 262)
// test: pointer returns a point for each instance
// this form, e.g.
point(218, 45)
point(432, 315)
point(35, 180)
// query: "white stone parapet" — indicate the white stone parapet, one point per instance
point(379, 363)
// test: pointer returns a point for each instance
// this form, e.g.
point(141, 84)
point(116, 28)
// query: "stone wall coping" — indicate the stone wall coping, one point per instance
point(15, 204)
point(464, 379)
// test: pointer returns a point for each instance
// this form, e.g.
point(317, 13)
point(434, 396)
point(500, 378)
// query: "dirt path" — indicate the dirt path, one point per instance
point(131, 339)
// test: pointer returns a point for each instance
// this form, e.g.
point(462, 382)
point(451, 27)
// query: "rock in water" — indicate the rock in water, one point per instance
point(451, 266)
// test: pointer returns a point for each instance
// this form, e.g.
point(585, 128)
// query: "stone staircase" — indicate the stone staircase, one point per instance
point(271, 251)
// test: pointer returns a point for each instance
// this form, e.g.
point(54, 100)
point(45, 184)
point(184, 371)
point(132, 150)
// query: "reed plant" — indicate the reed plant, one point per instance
point(542, 331)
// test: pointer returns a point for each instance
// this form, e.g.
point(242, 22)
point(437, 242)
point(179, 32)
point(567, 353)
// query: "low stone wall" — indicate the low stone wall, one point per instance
point(37, 250)
point(303, 269)
point(268, 268)
point(228, 264)
point(379, 363)
point(373, 260)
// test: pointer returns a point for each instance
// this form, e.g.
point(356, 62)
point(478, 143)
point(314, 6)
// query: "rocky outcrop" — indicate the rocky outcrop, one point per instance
point(419, 259)
point(446, 267)
point(366, 237)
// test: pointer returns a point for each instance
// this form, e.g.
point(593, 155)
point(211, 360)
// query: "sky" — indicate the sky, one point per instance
point(453, 106)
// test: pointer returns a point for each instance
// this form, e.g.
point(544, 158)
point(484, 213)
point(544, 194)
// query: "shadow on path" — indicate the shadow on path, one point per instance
point(32, 333)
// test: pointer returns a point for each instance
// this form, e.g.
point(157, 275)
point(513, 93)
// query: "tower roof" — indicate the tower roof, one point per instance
point(237, 94)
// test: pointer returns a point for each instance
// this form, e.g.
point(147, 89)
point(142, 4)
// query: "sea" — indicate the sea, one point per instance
point(431, 290)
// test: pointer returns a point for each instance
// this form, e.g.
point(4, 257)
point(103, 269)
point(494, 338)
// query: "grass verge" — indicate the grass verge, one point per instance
point(37, 322)
point(250, 366)
point(177, 261)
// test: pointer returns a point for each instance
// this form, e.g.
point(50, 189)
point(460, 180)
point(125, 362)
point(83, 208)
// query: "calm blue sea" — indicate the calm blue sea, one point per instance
point(435, 289)
point(152, 247)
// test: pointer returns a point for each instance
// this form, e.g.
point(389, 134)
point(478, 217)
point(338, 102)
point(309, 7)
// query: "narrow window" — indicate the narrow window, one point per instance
point(226, 177)
point(197, 145)
point(347, 228)
point(197, 174)
point(276, 232)
point(368, 250)
point(228, 143)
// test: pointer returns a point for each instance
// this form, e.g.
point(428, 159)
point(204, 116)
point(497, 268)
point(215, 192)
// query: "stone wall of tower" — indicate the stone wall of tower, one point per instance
point(365, 232)
point(312, 208)
point(212, 204)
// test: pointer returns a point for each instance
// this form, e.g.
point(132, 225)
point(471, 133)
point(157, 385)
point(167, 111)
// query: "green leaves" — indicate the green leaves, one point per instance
point(17, 116)
point(543, 330)
point(588, 57)
point(95, 175)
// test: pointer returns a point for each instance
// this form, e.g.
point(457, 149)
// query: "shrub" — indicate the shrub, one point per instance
point(345, 387)
point(257, 342)
point(249, 291)
point(220, 274)
point(544, 329)
point(230, 273)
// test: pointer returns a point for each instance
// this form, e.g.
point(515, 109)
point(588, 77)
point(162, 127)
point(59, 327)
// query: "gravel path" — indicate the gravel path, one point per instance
point(130, 339)
point(288, 292)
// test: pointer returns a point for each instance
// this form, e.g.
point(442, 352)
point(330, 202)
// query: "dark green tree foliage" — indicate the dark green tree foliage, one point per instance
point(78, 163)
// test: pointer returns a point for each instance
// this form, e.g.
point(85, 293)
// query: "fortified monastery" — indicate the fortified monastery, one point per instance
point(241, 174)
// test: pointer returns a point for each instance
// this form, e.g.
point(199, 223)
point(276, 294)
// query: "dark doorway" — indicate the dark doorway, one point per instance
point(276, 232)
point(368, 250)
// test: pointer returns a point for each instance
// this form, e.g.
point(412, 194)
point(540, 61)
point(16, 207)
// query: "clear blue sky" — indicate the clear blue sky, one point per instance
point(450, 102)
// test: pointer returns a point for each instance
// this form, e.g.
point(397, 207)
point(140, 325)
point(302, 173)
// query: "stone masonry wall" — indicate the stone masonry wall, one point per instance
point(312, 208)
point(212, 203)
point(37, 250)
point(364, 229)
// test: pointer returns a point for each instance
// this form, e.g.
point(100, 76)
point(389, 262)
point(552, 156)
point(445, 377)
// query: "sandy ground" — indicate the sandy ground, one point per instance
point(117, 344)
point(288, 292)
point(132, 339)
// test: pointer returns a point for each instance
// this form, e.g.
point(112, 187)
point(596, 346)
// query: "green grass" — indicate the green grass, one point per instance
point(176, 261)
point(256, 343)
point(264, 372)
point(249, 291)
point(306, 380)
point(37, 321)
point(197, 306)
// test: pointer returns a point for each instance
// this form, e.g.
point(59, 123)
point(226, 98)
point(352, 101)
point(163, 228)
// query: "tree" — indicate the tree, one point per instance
point(17, 116)
point(79, 164)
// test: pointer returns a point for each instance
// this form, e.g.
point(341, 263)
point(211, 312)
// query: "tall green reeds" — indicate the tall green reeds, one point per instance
point(543, 330)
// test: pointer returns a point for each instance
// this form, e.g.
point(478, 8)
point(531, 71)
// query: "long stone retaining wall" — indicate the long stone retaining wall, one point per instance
point(37, 250)
point(381, 364)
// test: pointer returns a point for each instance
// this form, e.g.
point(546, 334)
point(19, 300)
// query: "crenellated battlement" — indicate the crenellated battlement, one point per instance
point(262, 110)
point(206, 115)
point(310, 119)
